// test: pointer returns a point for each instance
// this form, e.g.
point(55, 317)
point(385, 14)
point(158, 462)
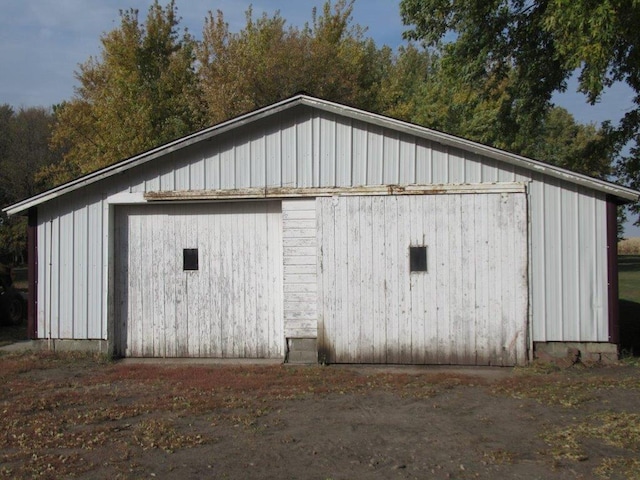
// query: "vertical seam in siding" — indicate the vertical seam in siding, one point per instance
point(32, 272)
point(250, 163)
point(578, 263)
point(350, 150)
point(72, 266)
point(334, 159)
point(57, 282)
point(265, 161)
point(447, 169)
point(529, 246)
point(49, 276)
point(429, 160)
point(86, 283)
point(414, 175)
point(365, 153)
point(542, 248)
point(561, 262)
point(279, 153)
point(398, 161)
point(203, 159)
point(316, 149)
point(234, 162)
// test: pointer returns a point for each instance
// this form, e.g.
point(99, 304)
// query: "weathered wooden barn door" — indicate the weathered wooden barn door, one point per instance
point(199, 280)
point(467, 304)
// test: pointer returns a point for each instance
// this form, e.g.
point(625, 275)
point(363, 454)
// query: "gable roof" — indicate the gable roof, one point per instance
point(624, 194)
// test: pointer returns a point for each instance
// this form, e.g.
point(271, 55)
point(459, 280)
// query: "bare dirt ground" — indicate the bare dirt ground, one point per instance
point(75, 416)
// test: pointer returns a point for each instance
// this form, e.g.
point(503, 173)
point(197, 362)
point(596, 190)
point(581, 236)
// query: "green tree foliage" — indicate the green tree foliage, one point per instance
point(538, 45)
point(572, 145)
point(542, 41)
point(140, 93)
point(24, 149)
point(442, 99)
point(267, 61)
point(452, 105)
point(403, 81)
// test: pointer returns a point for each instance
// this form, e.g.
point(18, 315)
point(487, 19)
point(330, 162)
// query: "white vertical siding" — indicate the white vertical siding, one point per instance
point(287, 154)
point(299, 268)
point(66, 276)
point(304, 151)
point(408, 160)
point(242, 165)
point(273, 159)
point(343, 149)
point(257, 158)
point(80, 268)
point(359, 157)
point(300, 148)
point(70, 290)
point(381, 148)
point(44, 279)
point(569, 263)
point(327, 151)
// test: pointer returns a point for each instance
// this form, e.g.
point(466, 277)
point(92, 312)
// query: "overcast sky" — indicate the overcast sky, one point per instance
point(43, 41)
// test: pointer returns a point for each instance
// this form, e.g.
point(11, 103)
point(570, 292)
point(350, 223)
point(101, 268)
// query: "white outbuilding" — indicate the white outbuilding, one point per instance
point(309, 230)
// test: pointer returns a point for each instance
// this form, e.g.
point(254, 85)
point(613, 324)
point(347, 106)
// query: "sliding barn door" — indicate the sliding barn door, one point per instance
point(463, 301)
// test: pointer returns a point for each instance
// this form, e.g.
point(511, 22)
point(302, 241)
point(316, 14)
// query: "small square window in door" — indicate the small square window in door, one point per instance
point(418, 259)
point(190, 259)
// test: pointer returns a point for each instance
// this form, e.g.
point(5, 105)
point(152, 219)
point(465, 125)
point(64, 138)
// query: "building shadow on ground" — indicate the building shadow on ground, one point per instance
point(630, 328)
point(629, 279)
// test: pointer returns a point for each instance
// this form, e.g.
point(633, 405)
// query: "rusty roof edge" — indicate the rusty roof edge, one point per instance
point(610, 188)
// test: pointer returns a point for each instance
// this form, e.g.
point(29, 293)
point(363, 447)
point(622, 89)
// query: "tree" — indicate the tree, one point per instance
point(267, 61)
point(29, 133)
point(24, 150)
point(539, 44)
point(432, 92)
point(402, 84)
point(572, 145)
point(140, 93)
point(448, 103)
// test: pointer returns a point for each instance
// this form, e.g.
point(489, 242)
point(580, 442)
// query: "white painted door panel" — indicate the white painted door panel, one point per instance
point(469, 307)
point(231, 307)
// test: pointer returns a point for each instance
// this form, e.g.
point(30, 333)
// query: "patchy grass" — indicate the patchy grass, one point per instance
point(500, 457)
point(616, 429)
point(65, 415)
point(163, 434)
point(628, 468)
point(76, 403)
point(550, 385)
point(629, 277)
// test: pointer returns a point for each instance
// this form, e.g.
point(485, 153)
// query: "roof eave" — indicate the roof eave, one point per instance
point(623, 193)
point(149, 155)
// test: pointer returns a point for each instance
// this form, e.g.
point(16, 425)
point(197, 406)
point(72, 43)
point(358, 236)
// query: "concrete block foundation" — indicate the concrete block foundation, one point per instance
point(95, 346)
point(569, 353)
point(302, 351)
